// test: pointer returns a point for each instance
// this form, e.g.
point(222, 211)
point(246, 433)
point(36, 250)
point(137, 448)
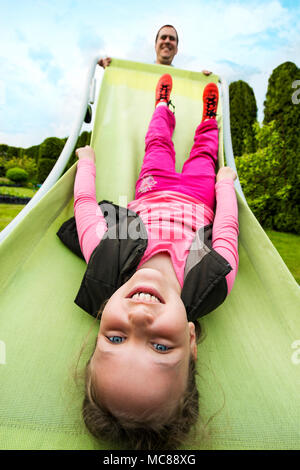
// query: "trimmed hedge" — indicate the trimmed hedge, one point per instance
point(18, 175)
point(14, 199)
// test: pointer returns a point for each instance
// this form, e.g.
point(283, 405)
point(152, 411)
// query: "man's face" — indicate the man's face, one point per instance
point(166, 46)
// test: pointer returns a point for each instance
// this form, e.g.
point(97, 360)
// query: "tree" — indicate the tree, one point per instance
point(279, 105)
point(3, 150)
point(83, 139)
point(3, 158)
point(268, 193)
point(49, 151)
point(51, 148)
point(285, 112)
point(33, 152)
point(44, 168)
point(14, 152)
point(243, 114)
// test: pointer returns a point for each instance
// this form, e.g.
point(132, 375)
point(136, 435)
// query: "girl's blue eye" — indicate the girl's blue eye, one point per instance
point(115, 339)
point(161, 347)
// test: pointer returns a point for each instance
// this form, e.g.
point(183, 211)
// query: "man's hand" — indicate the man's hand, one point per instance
point(226, 173)
point(206, 72)
point(104, 62)
point(86, 152)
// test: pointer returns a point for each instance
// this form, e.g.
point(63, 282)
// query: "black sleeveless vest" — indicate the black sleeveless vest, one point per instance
point(118, 254)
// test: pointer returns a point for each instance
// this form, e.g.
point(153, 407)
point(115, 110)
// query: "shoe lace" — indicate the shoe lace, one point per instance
point(173, 107)
point(211, 106)
point(163, 95)
point(163, 92)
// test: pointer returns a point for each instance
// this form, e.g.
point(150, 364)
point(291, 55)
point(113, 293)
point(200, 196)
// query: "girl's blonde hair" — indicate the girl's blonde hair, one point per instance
point(155, 432)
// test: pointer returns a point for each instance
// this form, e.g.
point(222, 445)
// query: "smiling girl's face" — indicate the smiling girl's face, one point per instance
point(144, 345)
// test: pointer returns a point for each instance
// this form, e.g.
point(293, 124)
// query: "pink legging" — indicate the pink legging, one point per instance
point(197, 178)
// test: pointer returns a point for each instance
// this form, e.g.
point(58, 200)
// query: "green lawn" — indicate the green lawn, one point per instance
point(18, 192)
point(287, 244)
point(8, 212)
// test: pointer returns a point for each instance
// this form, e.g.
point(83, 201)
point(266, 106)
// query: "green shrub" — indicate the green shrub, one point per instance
point(44, 167)
point(18, 175)
point(269, 189)
point(27, 164)
point(5, 181)
point(2, 171)
point(3, 160)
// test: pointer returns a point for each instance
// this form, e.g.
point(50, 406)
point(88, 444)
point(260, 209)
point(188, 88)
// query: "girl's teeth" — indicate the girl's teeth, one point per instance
point(146, 297)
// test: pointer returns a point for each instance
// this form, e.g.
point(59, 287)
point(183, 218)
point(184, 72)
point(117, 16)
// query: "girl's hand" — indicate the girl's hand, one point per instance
point(85, 152)
point(226, 173)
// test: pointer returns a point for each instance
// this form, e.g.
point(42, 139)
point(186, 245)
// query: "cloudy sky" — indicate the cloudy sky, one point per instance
point(46, 48)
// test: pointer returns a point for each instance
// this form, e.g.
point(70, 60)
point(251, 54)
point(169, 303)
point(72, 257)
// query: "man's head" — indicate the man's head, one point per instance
point(166, 45)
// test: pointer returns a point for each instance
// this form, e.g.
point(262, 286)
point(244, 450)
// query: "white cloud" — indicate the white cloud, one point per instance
point(49, 46)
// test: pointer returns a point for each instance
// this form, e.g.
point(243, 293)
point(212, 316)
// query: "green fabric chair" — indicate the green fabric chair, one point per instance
point(248, 364)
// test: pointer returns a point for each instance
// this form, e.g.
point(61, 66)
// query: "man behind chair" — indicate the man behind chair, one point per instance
point(166, 47)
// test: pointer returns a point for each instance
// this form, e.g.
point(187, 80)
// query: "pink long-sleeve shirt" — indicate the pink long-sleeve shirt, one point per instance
point(171, 220)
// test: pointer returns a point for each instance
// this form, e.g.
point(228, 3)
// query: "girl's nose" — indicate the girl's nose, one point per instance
point(140, 316)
